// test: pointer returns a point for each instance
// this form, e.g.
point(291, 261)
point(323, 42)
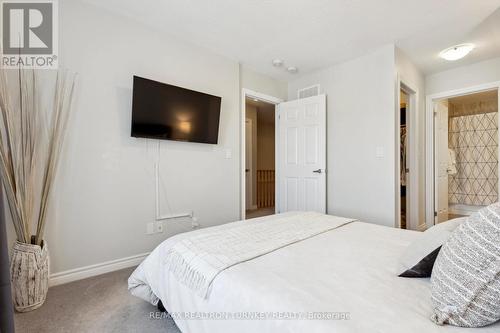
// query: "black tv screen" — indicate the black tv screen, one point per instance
point(163, 111)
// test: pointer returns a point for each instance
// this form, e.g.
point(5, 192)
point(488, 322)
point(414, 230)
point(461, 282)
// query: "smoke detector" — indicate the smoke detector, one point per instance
point(277, 62)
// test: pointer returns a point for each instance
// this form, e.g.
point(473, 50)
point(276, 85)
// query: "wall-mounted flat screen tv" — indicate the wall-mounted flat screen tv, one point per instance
point(163, 111)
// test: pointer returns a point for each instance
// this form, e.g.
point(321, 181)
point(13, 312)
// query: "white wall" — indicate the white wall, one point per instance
point(106, 195)
point(105, 189)
point(464, 77)
point(361, 117)
point(262, 84)
point(411, 75)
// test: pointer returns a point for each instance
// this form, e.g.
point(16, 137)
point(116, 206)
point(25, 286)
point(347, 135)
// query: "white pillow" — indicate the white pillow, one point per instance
point(418, 258)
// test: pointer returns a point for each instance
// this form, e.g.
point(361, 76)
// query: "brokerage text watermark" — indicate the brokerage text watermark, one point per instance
point(270, 315)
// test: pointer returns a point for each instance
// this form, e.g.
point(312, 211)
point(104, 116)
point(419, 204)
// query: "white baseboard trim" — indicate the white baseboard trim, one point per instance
point(94, 270)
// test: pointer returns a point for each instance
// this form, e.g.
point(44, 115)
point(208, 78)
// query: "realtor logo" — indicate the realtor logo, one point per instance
point(29, 34)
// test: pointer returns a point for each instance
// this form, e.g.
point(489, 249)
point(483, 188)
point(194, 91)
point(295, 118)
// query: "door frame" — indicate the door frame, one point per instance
point(429, 140)
point(436, 166)
point(251, 170)
point(268, 99)
point(412, 142)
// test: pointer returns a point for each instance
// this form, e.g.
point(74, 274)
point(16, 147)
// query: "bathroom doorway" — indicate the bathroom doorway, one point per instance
point(465, 154)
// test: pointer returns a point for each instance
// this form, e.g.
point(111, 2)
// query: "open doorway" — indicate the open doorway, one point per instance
point(465, 153)
point(298, 174)
point(258, 158)
point(404, 160)
point(407, 159)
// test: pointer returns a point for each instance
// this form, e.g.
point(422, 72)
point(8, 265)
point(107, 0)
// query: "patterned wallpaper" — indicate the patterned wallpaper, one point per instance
point(474, 138)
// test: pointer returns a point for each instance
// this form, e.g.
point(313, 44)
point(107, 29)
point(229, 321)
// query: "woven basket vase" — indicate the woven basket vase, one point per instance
point(29, 271)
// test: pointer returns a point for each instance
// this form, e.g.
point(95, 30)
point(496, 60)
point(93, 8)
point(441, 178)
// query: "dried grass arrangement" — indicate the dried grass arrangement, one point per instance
point(31, 138)
point(33, 122)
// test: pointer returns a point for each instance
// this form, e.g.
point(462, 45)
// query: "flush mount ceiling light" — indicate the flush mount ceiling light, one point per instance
point(456, 52)
point(292, 70)
point(277, 62)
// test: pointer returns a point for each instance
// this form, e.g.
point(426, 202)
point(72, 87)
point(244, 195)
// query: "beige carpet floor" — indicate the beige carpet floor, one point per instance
point(250, 214)
point(98, 304)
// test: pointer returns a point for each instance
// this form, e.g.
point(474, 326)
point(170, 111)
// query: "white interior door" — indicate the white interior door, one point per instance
point(301, 160)
point(441, 160)
point(248, 164)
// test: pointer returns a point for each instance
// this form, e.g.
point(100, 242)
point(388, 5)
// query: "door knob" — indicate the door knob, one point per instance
point(317, 171)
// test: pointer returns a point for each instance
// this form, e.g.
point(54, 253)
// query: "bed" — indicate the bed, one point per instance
point(344, 278)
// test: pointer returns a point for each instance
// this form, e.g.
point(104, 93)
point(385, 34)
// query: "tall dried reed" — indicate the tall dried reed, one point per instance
point(31, 138)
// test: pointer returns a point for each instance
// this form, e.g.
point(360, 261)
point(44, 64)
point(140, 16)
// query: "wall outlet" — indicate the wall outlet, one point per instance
point(150, 228)
point(159, 227)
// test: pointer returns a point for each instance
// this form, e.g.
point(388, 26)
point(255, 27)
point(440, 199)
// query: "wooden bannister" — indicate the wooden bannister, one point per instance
point(265, 188)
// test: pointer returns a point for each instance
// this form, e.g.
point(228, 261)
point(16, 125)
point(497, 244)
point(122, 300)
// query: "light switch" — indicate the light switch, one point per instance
point(379, 152)
point(229, 153)
point(150, 229)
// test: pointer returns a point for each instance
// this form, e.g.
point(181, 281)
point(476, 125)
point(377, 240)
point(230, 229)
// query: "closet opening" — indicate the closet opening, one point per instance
point(404, 161)
point(406, 155)
point(465, 154)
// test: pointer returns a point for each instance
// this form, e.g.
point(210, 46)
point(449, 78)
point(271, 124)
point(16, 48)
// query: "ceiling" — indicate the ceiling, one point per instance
point(311, 34)
point(424, 49)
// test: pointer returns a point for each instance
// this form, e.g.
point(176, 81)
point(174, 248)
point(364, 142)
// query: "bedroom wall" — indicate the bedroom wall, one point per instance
point(360, 121)
point(257, 82)
point(104, 194)
point(463, 77)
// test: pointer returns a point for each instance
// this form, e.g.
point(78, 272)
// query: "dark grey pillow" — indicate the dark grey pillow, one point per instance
point(418, 258)
point(423, 268)
point(465, 281)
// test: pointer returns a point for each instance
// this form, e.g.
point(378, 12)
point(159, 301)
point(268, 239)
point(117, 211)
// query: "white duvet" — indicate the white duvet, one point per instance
point(346, 275)
point(196, 261)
